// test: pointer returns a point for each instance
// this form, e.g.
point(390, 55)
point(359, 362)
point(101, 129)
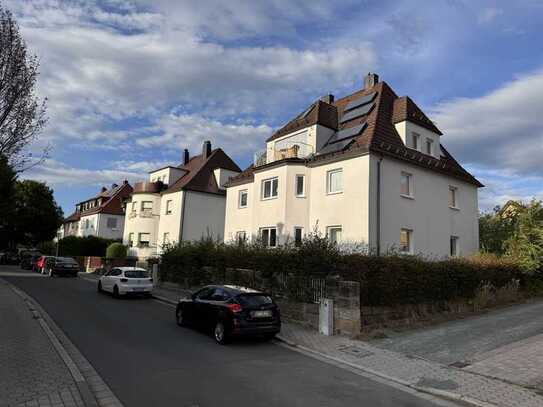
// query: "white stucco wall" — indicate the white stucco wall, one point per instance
point(91, 230)
point(170, 223)
point(203, 216)
point(168, 175)
point(137, 223)
point(110, 233)
point(238, 219)
point(428, 214)
point(222, 175)
point(406, 128)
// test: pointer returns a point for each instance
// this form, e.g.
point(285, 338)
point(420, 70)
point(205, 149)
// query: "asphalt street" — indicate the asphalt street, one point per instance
point(148, 360)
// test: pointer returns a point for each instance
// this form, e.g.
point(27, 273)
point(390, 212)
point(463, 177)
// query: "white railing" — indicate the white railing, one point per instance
point(259, 158)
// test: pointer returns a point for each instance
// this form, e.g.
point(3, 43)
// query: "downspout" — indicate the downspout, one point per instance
point(182, 216)
point(378, 246)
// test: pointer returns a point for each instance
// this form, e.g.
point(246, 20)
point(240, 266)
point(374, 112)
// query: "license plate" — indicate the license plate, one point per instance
point(261, 314)
point(137, 289)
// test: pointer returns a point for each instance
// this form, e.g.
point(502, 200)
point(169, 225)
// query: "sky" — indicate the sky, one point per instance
point(131, 83)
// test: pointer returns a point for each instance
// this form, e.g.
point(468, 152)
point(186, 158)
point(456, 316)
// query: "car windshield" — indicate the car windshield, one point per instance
point(136, 274)
point(253, 300)
point(65, 260)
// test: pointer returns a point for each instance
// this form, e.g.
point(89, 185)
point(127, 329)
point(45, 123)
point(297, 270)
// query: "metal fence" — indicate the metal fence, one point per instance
point(302, 288)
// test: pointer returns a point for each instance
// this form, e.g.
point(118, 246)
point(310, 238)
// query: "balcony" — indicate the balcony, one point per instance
point(285, 150)
point(148, 187)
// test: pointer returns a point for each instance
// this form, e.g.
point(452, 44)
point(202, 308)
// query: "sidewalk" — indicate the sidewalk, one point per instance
point(31, 371)
point(419, 374)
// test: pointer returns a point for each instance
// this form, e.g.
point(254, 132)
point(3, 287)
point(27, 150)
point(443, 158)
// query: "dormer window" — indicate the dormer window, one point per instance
point(415, 141)
point(429, 146)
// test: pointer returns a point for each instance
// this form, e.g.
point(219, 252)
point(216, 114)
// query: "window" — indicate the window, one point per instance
point(204, 293)
point(298, 234)
point(334, 233)
point(334, 181)
point(300, 185)
point(415, 137)
point(269, 236)
point(269, 188)
point(241, 236)
point(242, 202)
point(453, 201)
point(454, 246)
point(86, 223)
point(406, 185)
point(112, 223)
point(146, 205)
point(144, 239)
point(406, 241)
point(166, 238)
point(169, 206)
point(134, 206)
point(219, 295)
point(131, 240)
point(429, 146)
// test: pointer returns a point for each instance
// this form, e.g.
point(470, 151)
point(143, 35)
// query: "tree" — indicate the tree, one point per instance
point(116, 251)
point(22, 115)
point(7, 191)
point(494, 230)
point(37, 216)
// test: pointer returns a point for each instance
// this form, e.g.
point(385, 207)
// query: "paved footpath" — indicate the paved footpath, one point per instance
point(417, 373)
point(31, 371)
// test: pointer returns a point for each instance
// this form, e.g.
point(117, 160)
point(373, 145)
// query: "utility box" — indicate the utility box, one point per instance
point(326, 317)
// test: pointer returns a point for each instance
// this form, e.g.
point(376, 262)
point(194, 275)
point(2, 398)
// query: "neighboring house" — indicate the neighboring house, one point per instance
point(101, 215)
point(511, 209)
point(368, 168)
point(181, 203)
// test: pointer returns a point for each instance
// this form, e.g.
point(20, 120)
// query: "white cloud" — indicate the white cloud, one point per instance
point(489, 14)
point(501, 130)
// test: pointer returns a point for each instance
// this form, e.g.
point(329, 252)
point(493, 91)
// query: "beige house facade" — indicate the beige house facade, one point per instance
point(182, 203)
point(368, 169)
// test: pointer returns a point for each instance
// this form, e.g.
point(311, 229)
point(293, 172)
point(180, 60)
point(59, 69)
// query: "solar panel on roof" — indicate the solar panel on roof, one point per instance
point(337, 146)
point(353, 114)
point(306, 112)
point(360, 101)
point(347, 133)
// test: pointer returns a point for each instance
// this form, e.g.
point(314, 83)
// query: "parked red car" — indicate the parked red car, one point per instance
point(39, 265)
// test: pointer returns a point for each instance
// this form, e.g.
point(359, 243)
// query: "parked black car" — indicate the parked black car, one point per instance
point(62, 266)
point(9, 257)
point(230, 311)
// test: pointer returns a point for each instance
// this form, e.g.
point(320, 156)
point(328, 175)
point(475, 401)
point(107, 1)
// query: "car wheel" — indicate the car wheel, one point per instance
point(219, 333)
point(269, 337)
point(100, 289)
point(181, 321)
point(116, 292)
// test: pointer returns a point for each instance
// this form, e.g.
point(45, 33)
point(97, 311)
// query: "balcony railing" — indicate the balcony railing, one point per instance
point(148, 187)
point(287, 150)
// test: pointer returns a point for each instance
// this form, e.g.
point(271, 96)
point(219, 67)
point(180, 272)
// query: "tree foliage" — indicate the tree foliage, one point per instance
point(116, 251)
point(7, 191)
point(22, 115)
point(37, 216)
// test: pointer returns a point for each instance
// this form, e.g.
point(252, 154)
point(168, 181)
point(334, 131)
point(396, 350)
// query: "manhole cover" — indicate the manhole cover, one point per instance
point(355, 351)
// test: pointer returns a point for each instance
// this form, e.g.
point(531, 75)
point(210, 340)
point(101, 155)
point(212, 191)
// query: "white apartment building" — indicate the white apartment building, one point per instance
point(101, 215)
point(180, 203)
point(368, 168)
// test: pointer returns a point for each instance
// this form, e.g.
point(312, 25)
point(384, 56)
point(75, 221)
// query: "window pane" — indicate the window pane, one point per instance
point(267, 189)
point(300, 185)
point(297, 236)
point(243, 199)
point(405, 187)
point(275, 184)
point(335, 181)
point(415, 141)
point(273, 237)
point(266, 237)
point(452, 197)
point(334, 234)
point(454, 244)
point(405, 241)
point(429, 146)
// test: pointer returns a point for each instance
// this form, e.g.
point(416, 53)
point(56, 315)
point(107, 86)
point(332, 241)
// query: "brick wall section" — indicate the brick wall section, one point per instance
point(346, 296)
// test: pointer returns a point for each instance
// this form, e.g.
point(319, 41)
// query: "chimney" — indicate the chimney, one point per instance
point(125, 182)
point(186, 156)
point(113, 186)
point(104, 189)
point(370, 80)
point(328, 99)
point(206, 149)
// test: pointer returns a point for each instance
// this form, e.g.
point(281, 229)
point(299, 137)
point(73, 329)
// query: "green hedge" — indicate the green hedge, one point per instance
point(84, 246)
point(384, 280)
point(116, 251)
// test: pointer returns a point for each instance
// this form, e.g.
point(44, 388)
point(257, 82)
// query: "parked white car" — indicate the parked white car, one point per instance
point(126, 280)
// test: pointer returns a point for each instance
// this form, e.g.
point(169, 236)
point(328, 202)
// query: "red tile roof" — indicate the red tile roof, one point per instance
point(379, 136)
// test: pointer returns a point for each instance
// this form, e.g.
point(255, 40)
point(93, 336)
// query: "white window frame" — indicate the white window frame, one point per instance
point(453, 193)
point(296, 178)
point(109, 218)
point(166, 238)
point(240, 194)
point(134, 206)
point(329, 229)
point(429, 143)
point(415, 136)
point(268, 242)
point(263, 188)
point(148, 241)
point(131, 239)
point(454, 239)
point(329, 175)
point(409, 241)
point(169, 207)
point(143, 208)
point(301, 229)
point(410, 185)
point(241, 236)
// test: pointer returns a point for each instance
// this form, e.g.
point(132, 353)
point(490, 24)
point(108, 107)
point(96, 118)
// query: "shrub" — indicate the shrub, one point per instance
point(116, 251)
point(84, 246)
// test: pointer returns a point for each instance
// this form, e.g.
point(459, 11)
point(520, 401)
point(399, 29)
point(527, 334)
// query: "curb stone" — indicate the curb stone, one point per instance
point(87, 380)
